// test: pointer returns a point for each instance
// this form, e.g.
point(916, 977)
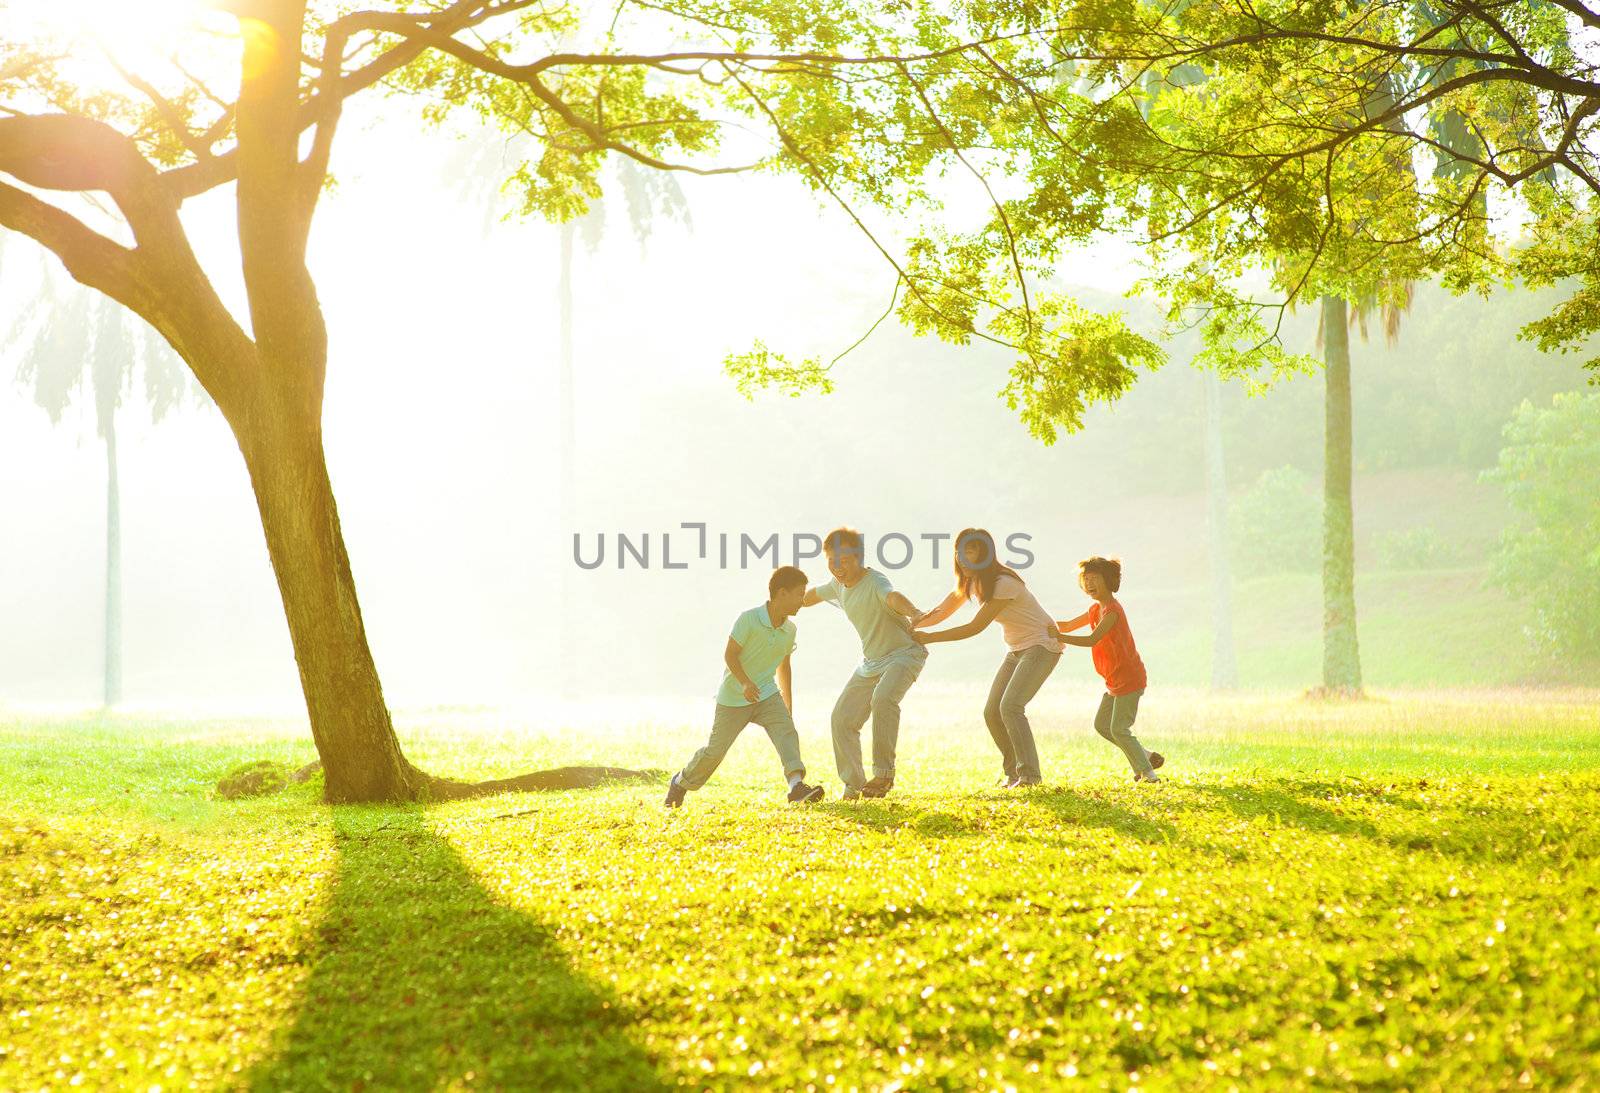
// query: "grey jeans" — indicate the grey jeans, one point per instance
point(771, 714)
point(878, 696)
point(1114, 721)
point(1021, 675)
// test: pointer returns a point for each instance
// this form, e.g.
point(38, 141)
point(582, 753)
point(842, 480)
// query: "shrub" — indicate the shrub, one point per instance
point(1550, 470)
point(1416, 548)
point(1276, 527)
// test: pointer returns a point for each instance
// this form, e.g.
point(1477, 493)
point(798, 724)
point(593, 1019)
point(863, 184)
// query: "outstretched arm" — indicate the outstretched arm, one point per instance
point(946, 608)
point(986, 614)
point(1070, 625)
point(1107, 621)
point(810, 599)
point(901, 606)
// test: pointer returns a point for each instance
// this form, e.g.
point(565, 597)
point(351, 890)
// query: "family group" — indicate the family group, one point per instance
point(758, 683)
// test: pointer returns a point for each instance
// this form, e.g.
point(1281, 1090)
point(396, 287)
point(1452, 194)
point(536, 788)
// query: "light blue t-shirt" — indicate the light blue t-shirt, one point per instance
point(885, 634)
point(762, 648)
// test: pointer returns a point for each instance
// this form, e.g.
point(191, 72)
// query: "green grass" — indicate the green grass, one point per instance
point(1399, 893)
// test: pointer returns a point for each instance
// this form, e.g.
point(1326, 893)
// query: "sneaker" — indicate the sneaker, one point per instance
point(878, 787)
point(850, 795)
point(1156, 759)
point(676, 791)
point(1020, 782)
point(1004, 781)
point(1151, 777)
point(804, 794)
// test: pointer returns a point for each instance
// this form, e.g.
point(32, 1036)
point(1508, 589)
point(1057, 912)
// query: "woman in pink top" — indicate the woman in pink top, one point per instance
point(1032, 642)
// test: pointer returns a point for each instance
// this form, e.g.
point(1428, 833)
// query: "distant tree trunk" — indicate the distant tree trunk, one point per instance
point(568, 433)
point(113, 614)
point(1224, 666)
point(1341, 655)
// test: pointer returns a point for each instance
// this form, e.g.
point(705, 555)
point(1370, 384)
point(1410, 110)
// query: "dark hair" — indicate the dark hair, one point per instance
point(979, 581)
point(844, 539)
point(786, 576)
point(1108, 568)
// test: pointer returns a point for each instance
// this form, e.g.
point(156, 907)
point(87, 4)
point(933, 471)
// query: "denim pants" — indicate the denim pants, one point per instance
point(878, 696)
point(1021, 675)
point(1114, 721)
point(771, 714)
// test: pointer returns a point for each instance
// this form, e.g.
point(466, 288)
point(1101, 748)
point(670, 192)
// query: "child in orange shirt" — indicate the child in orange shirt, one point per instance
point(1110, 642)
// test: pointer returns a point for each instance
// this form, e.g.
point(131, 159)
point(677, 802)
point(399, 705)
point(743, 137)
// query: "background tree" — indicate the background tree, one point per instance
point(72, 340)
point(865, 106)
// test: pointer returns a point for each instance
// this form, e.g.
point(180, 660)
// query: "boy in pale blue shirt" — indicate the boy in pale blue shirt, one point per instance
point(757, 686)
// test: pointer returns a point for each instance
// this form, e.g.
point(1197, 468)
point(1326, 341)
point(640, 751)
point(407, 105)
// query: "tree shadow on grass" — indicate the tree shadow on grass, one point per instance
point(1278, 804)
point(422, 980)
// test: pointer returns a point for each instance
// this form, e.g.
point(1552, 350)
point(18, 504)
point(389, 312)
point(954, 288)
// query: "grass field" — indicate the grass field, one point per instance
point(1399, 893)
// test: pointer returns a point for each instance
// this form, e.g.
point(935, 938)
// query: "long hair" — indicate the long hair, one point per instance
point(979, 581)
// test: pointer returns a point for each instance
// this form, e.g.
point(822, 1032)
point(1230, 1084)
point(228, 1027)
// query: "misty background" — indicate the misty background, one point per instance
point(444, 441)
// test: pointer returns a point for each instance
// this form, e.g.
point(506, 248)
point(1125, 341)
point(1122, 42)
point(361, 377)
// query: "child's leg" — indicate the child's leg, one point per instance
point(849, 714)
point(1033, 668)
point(1102, 717)
point(1124, 709)
point(992, 718)
point(726, 726)
point(771, 714)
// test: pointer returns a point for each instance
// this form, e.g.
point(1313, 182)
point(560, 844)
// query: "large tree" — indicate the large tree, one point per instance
point(866, 106)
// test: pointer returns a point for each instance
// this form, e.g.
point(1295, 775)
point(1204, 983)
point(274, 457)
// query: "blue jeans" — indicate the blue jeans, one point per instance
point(878, 696)
point(1021, 675)
point(771, 714)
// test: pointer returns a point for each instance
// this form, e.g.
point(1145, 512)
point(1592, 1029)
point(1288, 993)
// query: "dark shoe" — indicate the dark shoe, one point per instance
point(1156, 760)
point(878, 787)
point(676, 791)
point(803, 794)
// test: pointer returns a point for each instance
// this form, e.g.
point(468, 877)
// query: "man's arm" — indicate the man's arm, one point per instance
point(730, 657)
point(986, 614)
point(1107, 621)
point(1070, 625)
point(901, 606)
point(946, 608)
point(786, 684)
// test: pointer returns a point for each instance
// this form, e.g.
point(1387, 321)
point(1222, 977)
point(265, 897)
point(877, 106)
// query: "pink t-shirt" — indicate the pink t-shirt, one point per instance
point(1026, 625)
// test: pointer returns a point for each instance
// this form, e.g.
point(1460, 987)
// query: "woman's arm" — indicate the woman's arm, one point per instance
point(946, 608)
point(986, 614)
point(1107, 621)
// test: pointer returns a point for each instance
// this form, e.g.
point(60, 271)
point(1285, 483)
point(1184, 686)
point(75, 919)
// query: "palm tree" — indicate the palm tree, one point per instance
point(1341, 649)
point(71, 338)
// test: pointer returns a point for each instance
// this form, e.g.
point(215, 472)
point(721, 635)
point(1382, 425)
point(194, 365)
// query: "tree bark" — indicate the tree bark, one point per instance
point(1224, 665)
point(1341, 654)
point(350, 721)
point(112, 690)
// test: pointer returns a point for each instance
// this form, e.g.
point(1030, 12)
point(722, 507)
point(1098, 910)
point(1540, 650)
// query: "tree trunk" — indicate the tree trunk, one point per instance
point(568, 433)
point(113, 615)
point(1224, 666)
point(350, 722)
point(1341, 655)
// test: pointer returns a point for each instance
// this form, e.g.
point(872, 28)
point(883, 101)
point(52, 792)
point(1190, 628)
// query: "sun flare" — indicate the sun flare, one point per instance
point(100, 36)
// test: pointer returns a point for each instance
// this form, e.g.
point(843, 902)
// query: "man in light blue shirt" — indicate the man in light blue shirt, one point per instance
point(891, 661)
point(757, 686)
